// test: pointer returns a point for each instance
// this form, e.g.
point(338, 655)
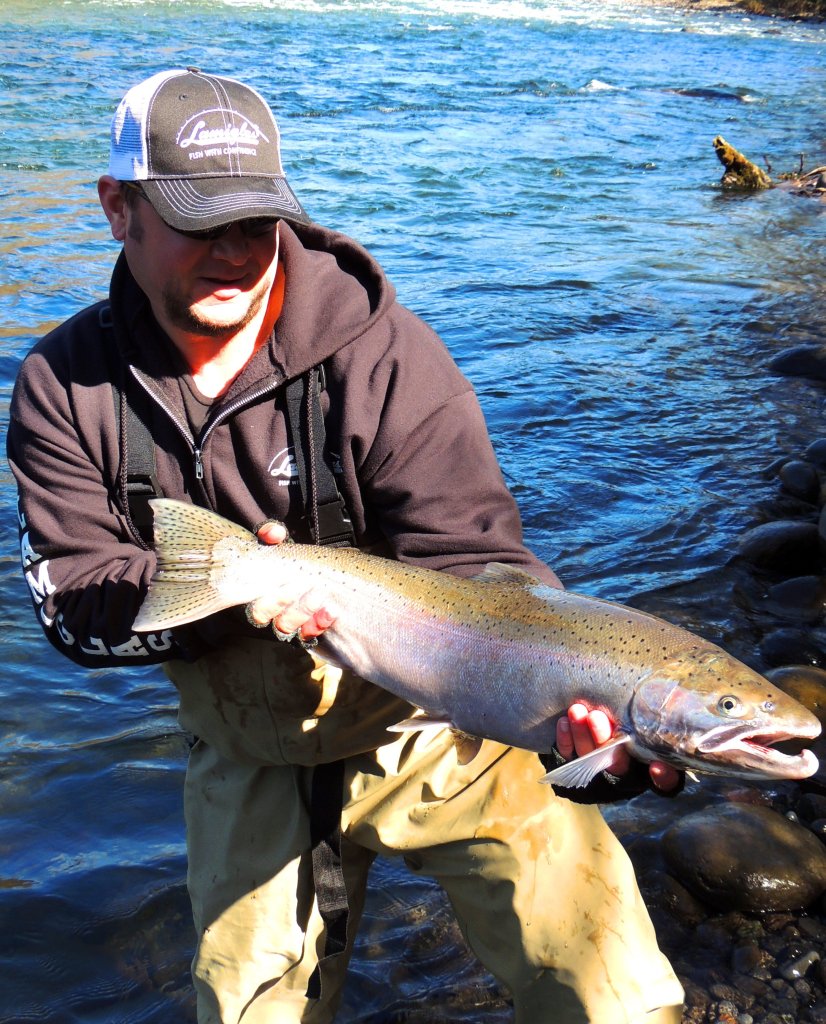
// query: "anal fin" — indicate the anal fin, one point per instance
point(467, 746)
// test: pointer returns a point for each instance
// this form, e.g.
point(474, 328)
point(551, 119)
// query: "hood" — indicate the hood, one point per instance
point(335, 292)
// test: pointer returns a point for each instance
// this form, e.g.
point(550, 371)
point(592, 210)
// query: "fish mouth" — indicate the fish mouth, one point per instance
point(757, 752)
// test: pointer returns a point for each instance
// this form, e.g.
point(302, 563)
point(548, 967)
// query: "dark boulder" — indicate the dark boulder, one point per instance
point(739, 857)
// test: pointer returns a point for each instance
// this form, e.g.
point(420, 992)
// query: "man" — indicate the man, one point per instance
point(225, 301)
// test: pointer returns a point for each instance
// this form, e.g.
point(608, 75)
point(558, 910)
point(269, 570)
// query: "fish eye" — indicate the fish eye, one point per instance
point(767, 705)
point(731, 706)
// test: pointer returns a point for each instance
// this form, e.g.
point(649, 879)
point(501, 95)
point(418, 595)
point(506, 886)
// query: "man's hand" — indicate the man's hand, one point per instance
point(304, 615)
point(581, 731)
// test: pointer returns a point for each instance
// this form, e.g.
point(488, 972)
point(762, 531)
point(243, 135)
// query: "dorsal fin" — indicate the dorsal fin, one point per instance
point(498, 572)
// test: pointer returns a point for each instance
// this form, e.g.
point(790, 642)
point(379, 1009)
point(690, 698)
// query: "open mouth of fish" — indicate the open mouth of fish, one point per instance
point(760, 751)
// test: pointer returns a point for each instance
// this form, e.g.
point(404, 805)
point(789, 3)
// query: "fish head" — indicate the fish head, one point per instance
point(707, 711)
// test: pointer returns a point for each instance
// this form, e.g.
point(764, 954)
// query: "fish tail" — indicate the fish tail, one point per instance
point(192, 545)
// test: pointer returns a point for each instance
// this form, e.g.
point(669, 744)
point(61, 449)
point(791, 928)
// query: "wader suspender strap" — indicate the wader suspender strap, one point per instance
point(329, 525)
point(138, 471)
point(324, 506)
point(326, 799)
point(141, 472)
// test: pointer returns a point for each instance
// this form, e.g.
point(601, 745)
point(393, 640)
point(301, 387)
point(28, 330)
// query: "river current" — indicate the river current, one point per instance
point(539, 181)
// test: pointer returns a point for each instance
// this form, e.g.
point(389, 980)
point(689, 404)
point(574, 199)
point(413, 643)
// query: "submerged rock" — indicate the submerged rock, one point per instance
point(800, 479)
point(737, 857)
point(802, 598)
point(816, 452)
point(802, 361)
point(793, 647)
point(788, 546)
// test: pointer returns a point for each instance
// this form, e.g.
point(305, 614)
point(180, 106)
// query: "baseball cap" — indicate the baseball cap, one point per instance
point(205, 149)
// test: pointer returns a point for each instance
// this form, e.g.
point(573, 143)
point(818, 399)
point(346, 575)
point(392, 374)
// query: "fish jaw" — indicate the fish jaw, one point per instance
point(711, 713)
point(749, 752)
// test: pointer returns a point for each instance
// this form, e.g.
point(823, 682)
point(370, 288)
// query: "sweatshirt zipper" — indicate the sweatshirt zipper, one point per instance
point(183, 429)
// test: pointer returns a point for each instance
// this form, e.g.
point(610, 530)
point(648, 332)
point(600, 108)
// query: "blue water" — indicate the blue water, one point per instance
point(539, 192)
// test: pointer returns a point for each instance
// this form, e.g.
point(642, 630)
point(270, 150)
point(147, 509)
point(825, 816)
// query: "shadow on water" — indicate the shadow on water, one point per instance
point(106, 945)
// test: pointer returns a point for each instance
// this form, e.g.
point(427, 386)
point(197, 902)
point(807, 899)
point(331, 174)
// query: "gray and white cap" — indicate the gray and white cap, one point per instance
point(205, 149)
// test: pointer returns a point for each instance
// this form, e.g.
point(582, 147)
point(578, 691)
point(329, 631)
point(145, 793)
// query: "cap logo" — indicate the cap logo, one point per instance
point(223, 140)
point(206, 148)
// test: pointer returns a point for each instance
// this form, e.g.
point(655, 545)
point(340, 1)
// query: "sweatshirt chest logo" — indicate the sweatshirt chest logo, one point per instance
point(284, 467)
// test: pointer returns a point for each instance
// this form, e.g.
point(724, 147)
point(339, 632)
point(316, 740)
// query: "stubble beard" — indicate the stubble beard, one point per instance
point(188, 318)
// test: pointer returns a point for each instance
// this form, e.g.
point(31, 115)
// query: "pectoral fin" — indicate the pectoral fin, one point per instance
point(421, 720)
point(578, 773)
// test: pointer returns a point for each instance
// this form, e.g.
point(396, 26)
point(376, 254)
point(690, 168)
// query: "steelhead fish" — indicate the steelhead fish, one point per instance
point(499, 656)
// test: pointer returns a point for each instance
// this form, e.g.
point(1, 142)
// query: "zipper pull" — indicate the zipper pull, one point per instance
point(199, 466)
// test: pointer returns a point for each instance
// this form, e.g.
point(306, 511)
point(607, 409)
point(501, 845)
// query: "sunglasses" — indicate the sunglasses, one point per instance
point(251, 227)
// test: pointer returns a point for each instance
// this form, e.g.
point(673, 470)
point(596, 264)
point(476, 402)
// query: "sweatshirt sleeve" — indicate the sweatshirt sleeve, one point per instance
point(86, 574)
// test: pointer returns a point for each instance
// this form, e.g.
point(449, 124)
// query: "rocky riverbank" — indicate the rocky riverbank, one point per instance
point(815, 9)
point(736, 884)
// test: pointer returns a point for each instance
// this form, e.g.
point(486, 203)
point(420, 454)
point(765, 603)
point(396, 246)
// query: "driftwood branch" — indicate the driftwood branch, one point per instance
point(740, 173)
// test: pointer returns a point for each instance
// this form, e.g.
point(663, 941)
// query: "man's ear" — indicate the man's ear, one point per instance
point(113, 201)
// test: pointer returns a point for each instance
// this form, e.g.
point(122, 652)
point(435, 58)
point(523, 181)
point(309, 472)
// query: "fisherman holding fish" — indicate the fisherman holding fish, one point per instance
point(251, 362)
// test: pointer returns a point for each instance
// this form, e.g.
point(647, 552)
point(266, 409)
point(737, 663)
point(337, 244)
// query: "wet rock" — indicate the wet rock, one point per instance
point(801, 361)
point(802, 598)
point(807, 684)
point(663, 892)
point(724, 1012)
point(816, 453)
point(746, 959)
point(792, 647)
point(800, 479)
point(798, 966)
point(787, 546)
point(746, 858)
point(813, 929)
point(740, 173)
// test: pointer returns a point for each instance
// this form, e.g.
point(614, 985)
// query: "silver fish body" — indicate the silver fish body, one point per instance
point(499, 656)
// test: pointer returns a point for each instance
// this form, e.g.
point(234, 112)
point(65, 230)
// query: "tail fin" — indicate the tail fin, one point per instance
point(186, 582)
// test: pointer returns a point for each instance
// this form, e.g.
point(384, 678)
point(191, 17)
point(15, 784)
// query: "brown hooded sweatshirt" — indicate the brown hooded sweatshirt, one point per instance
point(405, 436)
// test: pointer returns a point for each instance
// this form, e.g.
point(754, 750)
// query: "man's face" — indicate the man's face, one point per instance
point(202, 288)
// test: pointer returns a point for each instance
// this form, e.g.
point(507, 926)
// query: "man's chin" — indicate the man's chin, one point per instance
point(213, 320)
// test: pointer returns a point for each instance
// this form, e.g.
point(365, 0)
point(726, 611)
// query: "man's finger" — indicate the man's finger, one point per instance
point(317, 624)
point(564, 739)
point(263, 610)
point(301, 614)
point(664, 776)
point(272, 532)
point(601, 726)
point(581, 729)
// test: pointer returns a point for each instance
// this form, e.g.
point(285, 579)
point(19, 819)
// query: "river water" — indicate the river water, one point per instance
point(542, 192)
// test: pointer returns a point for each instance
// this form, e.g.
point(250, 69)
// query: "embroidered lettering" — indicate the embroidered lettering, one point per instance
point(223, 135)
